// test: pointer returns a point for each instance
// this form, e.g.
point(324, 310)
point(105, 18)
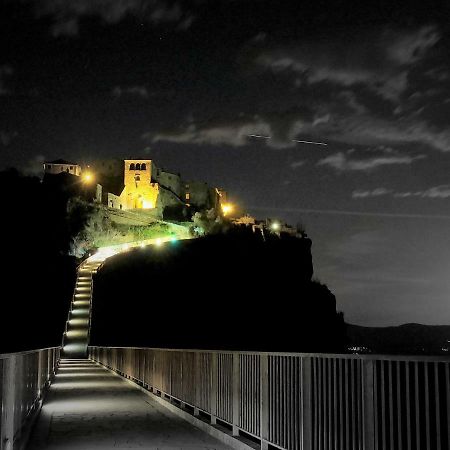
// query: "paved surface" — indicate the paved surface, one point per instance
point(88, 407)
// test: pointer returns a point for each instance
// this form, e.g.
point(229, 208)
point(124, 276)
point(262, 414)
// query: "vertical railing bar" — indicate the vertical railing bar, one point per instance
point(359, 403)
point(399, 408)
point(306, 400)
point(288, 403)
point(330, 403)
point(320, 404)
point(284, 370)
point(277, 400)
point(438, 406)
point(341, 404)
point(447, 385)
point(236, 392)
point(316, 401)
point(427, 406)
point(408, 407)
point(296, 404)
point(369, 404)
point(353, 401)
point(391, 406)
point(264, 400)
point(347, 409)
point(383, 406)
point(335, 405)
point(417, 405)
point(375, 404)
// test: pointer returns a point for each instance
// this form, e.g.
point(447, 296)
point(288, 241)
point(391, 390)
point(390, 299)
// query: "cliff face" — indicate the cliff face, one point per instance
point(233, 291)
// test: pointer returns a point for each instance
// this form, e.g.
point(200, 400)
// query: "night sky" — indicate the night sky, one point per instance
point(186, 83)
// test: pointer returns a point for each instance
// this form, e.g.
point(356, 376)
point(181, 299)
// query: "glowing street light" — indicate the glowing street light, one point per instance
point(275, 226)
point(87, 177)
point(227, 208)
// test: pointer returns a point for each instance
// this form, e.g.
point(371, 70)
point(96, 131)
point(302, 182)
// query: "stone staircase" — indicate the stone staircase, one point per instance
point(76, 335)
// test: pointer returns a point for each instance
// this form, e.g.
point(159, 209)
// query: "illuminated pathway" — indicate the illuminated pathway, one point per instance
point(76, 334)
point(89, 407)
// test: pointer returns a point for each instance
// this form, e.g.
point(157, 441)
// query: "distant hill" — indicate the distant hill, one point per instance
point(412, 338)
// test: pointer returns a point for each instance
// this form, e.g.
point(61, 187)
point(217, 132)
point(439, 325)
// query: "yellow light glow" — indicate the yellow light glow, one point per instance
point(158, 242)
point(275, 226)
point(147, 204)
point(88, 177)
point(227, 208)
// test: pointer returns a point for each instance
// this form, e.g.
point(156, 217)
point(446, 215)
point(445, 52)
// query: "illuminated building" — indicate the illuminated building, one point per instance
point(61, 166)
point(139, 191)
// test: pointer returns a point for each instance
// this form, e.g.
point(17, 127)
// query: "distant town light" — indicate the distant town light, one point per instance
point(158, 242)
point(275, 226)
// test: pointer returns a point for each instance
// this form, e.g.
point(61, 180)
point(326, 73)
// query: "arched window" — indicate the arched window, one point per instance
point(138, 166)
point(132, 166)
point(143, 166)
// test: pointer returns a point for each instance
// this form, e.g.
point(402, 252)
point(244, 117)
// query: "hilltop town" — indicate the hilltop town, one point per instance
point(138, 192)
point(138, 185)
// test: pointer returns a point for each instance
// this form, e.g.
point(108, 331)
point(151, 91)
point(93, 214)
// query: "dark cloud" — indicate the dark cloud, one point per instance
point(66, 15)
point(377, 60)
point(435, 192)
point(341, 162)
point(135, 91)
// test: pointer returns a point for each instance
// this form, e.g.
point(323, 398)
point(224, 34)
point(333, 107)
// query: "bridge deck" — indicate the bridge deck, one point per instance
point(88, 407)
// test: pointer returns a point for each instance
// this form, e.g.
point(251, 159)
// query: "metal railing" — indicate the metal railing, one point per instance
point(302, 401)
point(24, 379)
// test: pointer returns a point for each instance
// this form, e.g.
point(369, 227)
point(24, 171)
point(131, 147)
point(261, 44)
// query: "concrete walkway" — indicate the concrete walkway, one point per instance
point(88, 407)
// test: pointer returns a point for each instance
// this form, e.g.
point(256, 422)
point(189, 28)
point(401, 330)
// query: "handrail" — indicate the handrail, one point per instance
point(365, 356)
point(300, 401)
point(24, 380)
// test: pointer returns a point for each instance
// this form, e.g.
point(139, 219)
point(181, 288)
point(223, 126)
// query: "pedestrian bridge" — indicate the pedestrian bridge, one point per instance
point(80, 397)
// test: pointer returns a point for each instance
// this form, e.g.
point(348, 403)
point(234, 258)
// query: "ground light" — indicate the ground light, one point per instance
point(275, 226)
point(158, 242)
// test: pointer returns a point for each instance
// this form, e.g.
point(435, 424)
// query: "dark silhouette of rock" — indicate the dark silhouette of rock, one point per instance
point(225, 291)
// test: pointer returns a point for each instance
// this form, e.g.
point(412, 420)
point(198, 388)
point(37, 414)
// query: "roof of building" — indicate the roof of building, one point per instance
point(138, 159)
point(61, 161)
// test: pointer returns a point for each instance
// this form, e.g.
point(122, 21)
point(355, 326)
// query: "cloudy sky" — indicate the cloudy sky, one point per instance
point(188, 82)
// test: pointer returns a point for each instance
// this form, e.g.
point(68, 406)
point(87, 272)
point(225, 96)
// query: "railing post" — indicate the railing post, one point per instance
point(264, 400)
point(213, 387)
point(197, 383)
point(368, 404)
point(236, 393)
point(9, 401)
point(306, 396)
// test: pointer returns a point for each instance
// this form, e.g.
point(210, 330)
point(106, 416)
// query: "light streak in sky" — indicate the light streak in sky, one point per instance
point(260, 136)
